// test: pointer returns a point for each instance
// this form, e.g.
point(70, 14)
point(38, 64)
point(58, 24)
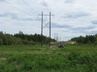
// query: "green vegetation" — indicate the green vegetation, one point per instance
point(23, 39)
point(33, 58)
point(88, 39)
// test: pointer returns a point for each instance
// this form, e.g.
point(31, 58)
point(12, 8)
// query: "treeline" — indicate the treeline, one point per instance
point(88, 39)
point(21, 38)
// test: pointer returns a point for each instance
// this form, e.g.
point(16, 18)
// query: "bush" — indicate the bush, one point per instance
point(1, 41)
point(26, 42)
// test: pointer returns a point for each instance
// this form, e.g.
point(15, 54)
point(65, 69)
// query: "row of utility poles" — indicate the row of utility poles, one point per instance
point(42, 26)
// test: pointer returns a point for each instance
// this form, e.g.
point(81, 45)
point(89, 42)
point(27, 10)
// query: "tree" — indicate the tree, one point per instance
point(88, 39)
point(1, 41)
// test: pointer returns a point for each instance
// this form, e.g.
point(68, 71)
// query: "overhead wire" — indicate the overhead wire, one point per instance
point(46, 6)
point(17, 8)
point(46, 25)
point(30, 6)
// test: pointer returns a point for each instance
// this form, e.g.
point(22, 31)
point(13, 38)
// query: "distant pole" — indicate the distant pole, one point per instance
point(41, 28)
point(57, 37)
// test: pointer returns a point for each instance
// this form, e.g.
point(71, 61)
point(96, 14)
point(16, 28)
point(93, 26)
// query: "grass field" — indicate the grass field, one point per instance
point(27, 58)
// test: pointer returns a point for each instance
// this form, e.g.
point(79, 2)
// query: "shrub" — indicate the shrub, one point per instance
point(1, 41)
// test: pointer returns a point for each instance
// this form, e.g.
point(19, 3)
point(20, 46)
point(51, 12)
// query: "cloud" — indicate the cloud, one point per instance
point(1, 22)
point(1, 0)
point(37, 19)
point(94, 22)
point(24, 19)
point(55, 25)
point(92, 32)
point(86, 30)
point(10, 15)
point(69, 1)
point(3, 15)
point(14, 16)
point(43, 3)
point(76, 15)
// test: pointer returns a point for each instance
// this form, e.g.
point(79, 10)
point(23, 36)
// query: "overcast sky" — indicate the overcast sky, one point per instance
point(71, 18)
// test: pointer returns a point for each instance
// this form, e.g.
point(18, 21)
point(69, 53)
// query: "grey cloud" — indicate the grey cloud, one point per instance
point(1, 0)
point(93, 32)
point(22, 24)
point(55, 25)
point(3, 15)
point(94, 22)
point(76, 15)
point(11, 15)
point(37, 19)
point(44, 4)
point(69, 1)
point(24, 19)
point(1, 22)
point(83, 29)
point(15, 17)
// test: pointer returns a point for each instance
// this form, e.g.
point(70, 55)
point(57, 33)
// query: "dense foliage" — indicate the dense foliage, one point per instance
point(88, 39)
point(29, 58)
point(20, 38)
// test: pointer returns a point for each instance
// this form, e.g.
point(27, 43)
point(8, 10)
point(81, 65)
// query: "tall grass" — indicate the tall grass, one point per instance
point(71, 58)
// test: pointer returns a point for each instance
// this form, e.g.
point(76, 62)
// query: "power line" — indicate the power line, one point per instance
point(30, 6)
point(46, 5)
point(17, 8)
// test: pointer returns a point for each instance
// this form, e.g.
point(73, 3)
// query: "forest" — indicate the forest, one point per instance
point(88, 39)
point(23, 39)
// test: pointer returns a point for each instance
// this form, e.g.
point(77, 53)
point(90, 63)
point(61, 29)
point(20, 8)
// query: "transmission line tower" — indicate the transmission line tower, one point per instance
point(42, 26)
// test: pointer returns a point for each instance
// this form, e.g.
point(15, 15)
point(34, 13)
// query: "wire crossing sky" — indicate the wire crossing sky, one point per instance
point(16, 7)
point(31, 7)
point(72, 17)
point(46, 5)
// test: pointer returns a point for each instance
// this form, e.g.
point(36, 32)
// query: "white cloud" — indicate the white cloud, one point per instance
point(69, 1)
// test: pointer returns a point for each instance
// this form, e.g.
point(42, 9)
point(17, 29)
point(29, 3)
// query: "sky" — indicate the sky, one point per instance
point(72, 18)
